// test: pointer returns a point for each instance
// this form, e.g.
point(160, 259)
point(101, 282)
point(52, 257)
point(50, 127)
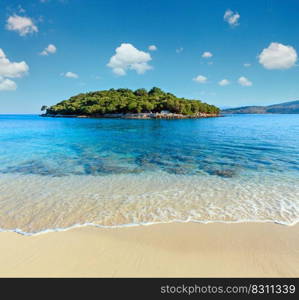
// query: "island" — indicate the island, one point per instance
point(129, 104)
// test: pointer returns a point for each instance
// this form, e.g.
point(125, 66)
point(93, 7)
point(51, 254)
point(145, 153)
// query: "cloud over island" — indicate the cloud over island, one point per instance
point(127, 57)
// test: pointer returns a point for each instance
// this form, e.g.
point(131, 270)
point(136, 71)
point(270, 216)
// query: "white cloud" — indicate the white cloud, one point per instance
point(200, 79)
point(51, 49)
point(244, 81)
point(70, 75)
point(7, 85)
point(207, 54)
point(11, 69)
point(152, 48)
point(224, 82)
point(22, 25)
point(278, 56)
point(231, 17)
point(127, 57)
point(119, 71)
point(179, 50)
point(247, 65)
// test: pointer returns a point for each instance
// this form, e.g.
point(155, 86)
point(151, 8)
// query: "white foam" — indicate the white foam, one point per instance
point(49, 230)
point(32, 204)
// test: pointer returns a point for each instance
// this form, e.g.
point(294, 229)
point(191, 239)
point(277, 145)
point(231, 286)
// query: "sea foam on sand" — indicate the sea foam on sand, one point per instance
point(32, 204)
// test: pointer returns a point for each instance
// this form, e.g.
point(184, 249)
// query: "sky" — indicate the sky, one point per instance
point(226, 53)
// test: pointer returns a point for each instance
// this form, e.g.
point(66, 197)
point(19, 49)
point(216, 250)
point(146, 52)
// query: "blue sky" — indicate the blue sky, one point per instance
point(84, 35)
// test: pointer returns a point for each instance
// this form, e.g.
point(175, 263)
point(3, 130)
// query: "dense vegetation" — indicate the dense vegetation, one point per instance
point(282, 108)
point(128, 101)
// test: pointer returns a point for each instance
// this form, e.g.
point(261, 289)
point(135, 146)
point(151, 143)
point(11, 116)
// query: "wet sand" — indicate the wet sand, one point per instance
point(164, 250)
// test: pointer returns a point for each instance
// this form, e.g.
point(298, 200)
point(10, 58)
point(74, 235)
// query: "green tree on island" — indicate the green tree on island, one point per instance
point(44, 107)
point(116, 101)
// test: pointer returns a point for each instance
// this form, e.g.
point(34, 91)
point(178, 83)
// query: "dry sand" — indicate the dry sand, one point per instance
point(165, 250)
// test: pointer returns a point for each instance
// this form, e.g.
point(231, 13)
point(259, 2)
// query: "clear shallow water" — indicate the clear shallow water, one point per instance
point(56, 173)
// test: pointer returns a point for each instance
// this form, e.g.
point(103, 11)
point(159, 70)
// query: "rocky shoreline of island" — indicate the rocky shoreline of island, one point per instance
point(138, 116)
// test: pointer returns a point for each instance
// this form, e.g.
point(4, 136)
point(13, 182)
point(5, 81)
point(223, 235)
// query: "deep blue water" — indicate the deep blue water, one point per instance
point(61, 172)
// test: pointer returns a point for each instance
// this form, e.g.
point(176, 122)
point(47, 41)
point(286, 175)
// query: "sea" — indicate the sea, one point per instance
point(60, 173)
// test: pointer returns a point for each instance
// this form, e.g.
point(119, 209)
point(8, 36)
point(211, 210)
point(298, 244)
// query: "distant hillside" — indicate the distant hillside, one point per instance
point(282, 108)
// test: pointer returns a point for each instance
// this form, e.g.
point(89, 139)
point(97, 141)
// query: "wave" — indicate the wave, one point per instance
point(50, 230)
point(32, 204)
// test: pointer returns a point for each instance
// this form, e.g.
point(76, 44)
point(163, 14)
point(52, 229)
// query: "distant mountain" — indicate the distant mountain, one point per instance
point(282, 108)
point(223, 107)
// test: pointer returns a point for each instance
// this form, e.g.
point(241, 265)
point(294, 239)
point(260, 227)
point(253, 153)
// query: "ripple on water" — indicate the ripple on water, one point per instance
point(34, 203)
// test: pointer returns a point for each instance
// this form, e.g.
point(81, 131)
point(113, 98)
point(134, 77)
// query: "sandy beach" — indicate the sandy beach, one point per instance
point(164, 250)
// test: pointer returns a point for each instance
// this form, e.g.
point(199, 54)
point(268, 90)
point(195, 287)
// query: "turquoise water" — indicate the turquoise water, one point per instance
point(62, 172)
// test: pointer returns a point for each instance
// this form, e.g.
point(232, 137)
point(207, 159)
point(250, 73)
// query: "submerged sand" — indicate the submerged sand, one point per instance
point(164, 250)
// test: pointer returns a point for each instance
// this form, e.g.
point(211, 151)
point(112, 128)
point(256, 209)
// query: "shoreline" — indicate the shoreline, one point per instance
point(137, 225)
point(161, 250)
point(137, 116)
